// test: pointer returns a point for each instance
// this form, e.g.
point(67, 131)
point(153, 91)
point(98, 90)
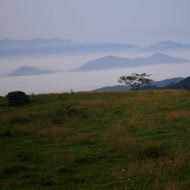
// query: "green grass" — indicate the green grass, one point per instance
point(131, 140)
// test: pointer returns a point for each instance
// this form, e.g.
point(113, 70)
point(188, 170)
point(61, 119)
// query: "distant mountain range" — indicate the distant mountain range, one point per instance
point(113, 62)
point(25, 70)
point(166, 45)
point(158, 84)
point(56, 46)
point(43, 46)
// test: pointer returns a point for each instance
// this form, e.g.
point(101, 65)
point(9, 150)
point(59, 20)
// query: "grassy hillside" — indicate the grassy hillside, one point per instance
point(97, 141)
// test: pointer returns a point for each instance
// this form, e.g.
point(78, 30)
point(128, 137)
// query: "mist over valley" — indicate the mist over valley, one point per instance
point(50, 73)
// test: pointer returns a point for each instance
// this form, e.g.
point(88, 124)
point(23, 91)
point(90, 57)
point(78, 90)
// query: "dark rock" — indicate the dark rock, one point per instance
point(17, 98)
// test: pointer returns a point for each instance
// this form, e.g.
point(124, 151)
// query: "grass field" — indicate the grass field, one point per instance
point(134, 140)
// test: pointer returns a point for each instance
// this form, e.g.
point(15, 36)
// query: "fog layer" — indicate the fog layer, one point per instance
point(65, 80)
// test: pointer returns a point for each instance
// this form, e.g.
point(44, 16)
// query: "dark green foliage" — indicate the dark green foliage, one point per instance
point(135, 80)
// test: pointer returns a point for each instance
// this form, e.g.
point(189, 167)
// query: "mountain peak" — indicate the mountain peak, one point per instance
point(28, 70)
point(113, 62)
point(159, 55)
point(110, 56)
point(168, 44)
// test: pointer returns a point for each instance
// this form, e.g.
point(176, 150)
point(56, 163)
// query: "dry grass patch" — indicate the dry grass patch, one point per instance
point(56, 131)
point(179, 92)
point(134, 121)
point(140, 101)
point(82, 138)
point(92, 102)
point(117, 173)
point(178, 115)
point(147, 167)
point(132, 169)
point(64, 157)
point(25, 129)
point(172, 185)
point(181, 160)
point(118, 130)
point(114, 131)
point(125, 145)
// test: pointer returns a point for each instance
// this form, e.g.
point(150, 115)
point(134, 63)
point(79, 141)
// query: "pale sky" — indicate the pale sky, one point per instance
point(126, 21)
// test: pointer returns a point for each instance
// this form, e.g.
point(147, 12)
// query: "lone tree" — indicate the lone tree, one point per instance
point(135, 80)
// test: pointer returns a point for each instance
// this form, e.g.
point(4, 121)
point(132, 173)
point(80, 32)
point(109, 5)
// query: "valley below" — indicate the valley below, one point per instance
point(64, 77)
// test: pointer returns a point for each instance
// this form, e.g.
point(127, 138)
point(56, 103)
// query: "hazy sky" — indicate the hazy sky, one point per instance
point(128, 21)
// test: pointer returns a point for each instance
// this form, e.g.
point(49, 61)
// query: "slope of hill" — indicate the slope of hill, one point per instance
point(26, 70)
point(156, 84)
point(183, 84)
point(113, 62)
point(165, 82)
point(113, 88)
point(91, 141)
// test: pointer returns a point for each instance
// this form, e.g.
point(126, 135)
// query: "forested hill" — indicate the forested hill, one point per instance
point(183, 84)
point(153, 85)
